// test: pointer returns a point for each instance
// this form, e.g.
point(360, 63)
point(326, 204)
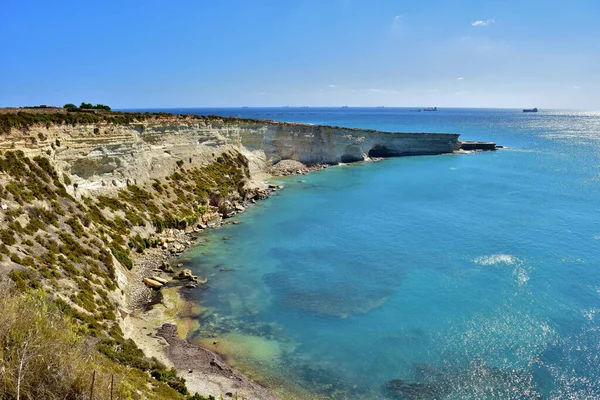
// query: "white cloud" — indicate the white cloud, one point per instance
point(576, 87)
point(397, 25)
point(460, 78)
point(331, 86)
point(483, 23)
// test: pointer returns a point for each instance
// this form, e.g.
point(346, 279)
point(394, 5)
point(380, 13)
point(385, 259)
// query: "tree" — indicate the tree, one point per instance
point(85, 106)
point(70, 106)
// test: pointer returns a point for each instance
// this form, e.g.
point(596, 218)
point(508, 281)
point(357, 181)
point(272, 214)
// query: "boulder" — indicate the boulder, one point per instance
point(159, 279)
point(151, 283)
point(177, 248)
point(186, 275)
point(165, 266)
point(227, 209)
point(4, 207)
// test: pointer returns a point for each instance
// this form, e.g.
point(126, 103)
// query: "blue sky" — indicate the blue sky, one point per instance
point(470, 53)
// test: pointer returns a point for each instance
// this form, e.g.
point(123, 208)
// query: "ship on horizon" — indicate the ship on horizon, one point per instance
point(530, 109)
point(430, 109)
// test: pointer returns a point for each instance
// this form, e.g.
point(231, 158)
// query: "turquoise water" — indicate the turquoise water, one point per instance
point(465, 276)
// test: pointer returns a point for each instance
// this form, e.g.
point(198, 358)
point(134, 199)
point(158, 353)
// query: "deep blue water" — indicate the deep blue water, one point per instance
point(466, 276)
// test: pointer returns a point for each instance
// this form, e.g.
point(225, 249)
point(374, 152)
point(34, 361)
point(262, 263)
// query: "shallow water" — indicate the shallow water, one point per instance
point(463, 276)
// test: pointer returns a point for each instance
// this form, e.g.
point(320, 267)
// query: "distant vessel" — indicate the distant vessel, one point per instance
point(430, 109)
point(530, 110)
point(380, 106)
point(344, 106)
point(417, 110)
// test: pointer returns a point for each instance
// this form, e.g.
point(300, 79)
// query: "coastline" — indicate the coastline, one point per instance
point(159, 321)
point(150, 161)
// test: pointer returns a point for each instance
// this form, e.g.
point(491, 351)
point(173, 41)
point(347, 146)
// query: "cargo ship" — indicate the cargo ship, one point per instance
point(530, 110)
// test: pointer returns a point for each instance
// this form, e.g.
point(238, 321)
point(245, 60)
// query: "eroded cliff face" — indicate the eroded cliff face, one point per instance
point(100, 156)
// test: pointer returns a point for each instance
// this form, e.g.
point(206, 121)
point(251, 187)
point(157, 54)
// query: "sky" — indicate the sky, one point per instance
point(226, 53)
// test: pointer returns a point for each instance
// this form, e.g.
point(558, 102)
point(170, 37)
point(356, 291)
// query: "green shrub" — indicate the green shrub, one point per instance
point(121, 256)
point(7, 237)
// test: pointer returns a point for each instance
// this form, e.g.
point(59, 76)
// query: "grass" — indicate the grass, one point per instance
point(46, 355)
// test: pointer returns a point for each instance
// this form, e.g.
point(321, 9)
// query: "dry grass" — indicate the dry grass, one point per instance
point(45, 355)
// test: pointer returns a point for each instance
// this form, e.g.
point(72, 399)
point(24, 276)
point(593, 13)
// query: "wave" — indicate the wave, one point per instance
point(497, 259)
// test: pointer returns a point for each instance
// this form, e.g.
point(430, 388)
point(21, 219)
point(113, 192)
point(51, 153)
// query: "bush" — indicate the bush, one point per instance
point(42, 355)
point(121, 256)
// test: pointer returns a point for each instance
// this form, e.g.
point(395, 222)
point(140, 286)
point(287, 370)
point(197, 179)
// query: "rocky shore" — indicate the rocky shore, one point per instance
point(155, 319)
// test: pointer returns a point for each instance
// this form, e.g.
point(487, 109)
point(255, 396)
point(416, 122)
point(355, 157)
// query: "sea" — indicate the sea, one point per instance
point(461, 276)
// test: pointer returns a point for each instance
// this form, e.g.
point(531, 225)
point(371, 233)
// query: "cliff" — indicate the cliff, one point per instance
point(105, 155)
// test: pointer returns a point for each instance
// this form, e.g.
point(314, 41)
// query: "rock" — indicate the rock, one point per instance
point(152, 283)
point(236, 222)
point(186, 275)
point(4, 207)
point(272, 186)
point(280, 187)
point(164, 246)
point(178, 248)
point(165, 266)
point(159, 279)
point(170, 240)
point(191, 286)
point(179, 265)
point(227, 209)
point(239, 207)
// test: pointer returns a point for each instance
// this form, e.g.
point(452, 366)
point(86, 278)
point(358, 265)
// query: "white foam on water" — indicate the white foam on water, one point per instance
point(521, 275)
point(497, 259)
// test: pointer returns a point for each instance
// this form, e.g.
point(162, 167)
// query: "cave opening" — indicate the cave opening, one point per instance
point(380, 151)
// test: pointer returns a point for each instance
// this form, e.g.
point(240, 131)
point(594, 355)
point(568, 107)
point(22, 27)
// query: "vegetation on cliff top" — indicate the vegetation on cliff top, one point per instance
point(73, 115)
point(86, 106)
